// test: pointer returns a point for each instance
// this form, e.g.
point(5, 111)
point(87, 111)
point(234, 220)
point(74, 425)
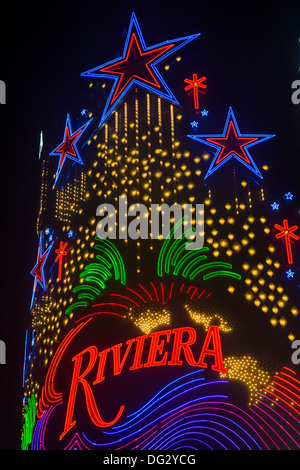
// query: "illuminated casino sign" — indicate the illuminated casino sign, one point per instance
point(180, 339)
point(109, 387)
point(160, 343)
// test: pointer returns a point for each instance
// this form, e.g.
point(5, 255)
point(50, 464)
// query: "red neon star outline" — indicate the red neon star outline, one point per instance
point(232, 143)
point(287, 232)
point(135, 65)
point(38, 269)
point(196, 84)
point(61, 254)
point(67, 147)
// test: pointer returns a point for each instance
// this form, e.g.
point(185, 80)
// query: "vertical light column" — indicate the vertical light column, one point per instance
point(173, 152)
point(137, 160)
point(149, 167)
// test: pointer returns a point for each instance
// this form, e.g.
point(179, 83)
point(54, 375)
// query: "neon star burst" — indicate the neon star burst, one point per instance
point(232, 145)
point(288, 234)
point(62, 252)
point(197, 86)
point(137, 66)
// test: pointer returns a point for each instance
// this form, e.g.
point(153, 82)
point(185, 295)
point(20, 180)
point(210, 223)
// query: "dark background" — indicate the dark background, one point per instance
point(249, 51)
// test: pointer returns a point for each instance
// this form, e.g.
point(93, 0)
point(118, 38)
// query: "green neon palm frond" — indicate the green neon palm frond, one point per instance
point(29, 422)
point(174, 259)
point(94, 278)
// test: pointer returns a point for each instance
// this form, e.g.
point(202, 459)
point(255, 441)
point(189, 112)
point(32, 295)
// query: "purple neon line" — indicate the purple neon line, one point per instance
point(277, 422)
point(147, 432)
point(188, 426)
point(49, 412)
point(194, 448)
point(240, 417)
point(136, 447)
point(36, 433)
point(280, 406)
point(280, 416)
point(76, 438)
point(220, 416)
point(172, 398)
point(270, 428)
point(114, 442)
point(232, 412)
point(200, 433)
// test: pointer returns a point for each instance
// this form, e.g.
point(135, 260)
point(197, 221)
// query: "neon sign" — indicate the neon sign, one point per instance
point(38, 270)
point(231, 144)
point(68, 148)
point(197, 85)
point(286, 232)
point(137, 66)
point(170, 347)
point(61, 255)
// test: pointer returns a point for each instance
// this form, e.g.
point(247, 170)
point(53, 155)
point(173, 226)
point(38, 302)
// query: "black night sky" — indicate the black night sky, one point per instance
point(248, 50)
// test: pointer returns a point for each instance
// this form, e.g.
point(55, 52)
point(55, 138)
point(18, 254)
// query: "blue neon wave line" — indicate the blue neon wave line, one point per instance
point(193, 448)
point(156, 401)
point(203, 434)
point(157, 419)
point(170, 399)
point(187, 421)
point(157, 394)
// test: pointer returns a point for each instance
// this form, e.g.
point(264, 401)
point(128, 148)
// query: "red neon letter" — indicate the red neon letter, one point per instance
point(118, 364)
point(89, 397)
point(179, 344)
point(214, 335)
point(102, 360)
point(157, 347)
point(138, 352)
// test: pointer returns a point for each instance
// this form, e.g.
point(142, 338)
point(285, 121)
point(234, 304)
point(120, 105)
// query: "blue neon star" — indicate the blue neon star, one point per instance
point(194, 124)
point(38, 270)
point(289, 274)
point(68, 148)
point(288, 196)
point(137, 66)
point(204, 112)
point(275, 206)
point(70, 233)
point(231, 144)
